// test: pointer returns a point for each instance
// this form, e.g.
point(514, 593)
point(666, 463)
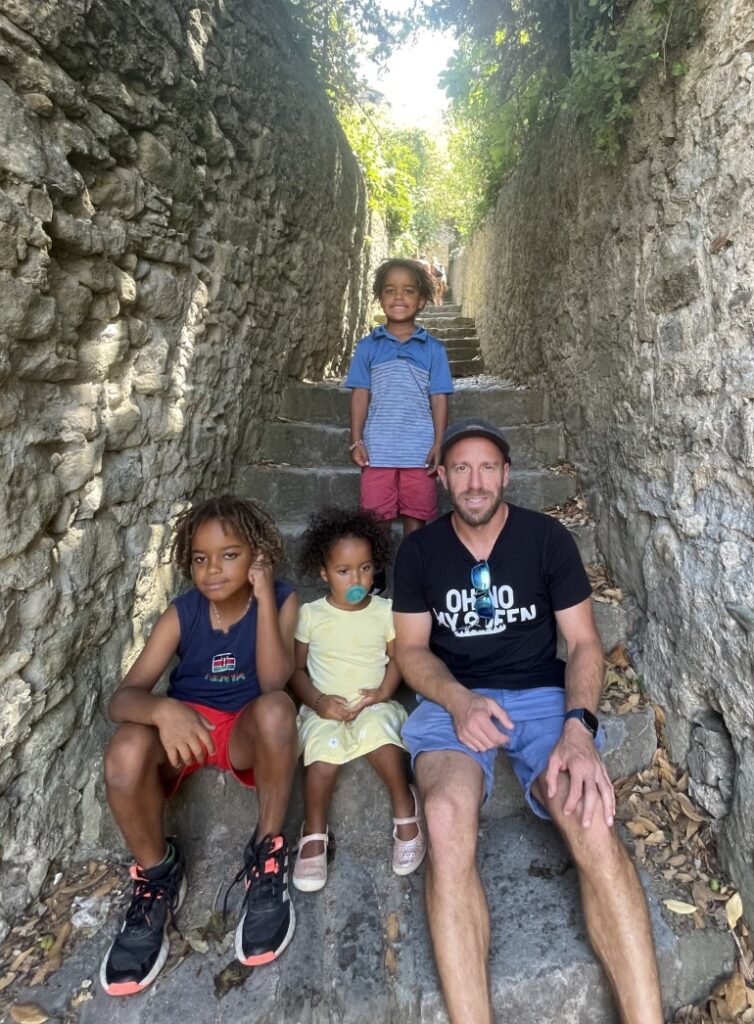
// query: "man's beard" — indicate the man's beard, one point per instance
point(484, 515)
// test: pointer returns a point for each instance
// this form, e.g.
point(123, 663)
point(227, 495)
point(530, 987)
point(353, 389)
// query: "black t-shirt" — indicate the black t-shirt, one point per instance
point(536, 570)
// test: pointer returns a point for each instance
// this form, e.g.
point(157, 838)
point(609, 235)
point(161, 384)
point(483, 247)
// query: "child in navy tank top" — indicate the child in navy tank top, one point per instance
point(226, 706)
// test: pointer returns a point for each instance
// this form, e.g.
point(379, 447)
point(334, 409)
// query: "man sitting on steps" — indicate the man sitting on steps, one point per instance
point(478, 595)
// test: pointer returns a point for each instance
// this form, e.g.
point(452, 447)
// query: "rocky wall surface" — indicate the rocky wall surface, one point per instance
point(182, 228)
point(630, 293)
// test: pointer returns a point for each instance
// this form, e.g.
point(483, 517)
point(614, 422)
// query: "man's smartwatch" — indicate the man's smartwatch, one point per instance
point(587, 719)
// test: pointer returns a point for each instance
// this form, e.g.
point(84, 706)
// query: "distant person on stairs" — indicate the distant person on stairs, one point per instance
point(440, 280)
point(477, 598)
point(400, 380)
point(226, 706)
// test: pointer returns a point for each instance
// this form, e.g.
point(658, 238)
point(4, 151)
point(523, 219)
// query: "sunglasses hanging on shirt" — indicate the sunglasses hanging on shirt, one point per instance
point(481, 581)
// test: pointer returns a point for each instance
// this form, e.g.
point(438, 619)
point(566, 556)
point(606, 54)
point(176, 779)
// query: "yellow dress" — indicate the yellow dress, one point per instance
point(347, 654)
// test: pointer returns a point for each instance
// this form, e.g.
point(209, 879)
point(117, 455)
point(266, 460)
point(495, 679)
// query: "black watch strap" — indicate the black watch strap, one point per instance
point(586, 718)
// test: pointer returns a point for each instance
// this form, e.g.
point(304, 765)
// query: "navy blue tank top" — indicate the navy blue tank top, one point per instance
point(217, 669)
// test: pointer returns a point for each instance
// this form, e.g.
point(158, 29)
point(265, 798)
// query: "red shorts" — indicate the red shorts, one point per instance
point(223, 722)
point(390, 493)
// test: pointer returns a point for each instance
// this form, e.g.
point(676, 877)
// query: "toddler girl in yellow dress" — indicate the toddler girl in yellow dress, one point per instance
point(345, 676)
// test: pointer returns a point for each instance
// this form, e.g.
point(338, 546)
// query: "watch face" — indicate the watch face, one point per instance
point(590, 720)
point(586, 718)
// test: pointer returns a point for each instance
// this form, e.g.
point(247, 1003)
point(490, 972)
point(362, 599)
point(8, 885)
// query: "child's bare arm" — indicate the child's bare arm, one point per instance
point(358, 413)
point(184, 733)
point(275, 629)
point(326, 705)
point(387, 687)
point(439, 406)
point(133, 700)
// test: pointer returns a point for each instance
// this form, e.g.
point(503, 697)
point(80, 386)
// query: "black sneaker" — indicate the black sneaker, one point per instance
point(268, 918)
point(141, 947)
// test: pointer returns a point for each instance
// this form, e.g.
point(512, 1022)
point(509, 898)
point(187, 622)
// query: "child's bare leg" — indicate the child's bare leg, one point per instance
point(319, 786)
point(388, 762)
point(410, 524)
point(264, 738)
point(135, 765)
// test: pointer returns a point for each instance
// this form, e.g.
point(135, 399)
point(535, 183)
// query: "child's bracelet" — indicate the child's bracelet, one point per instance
point(315, 705)
point(355, 445)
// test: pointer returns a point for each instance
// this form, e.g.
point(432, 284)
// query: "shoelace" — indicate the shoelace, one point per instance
point(263, 871)
point(146, 893)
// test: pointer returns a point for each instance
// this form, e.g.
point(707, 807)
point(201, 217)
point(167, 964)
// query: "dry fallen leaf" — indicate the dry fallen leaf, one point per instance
point(679, 907)
point(734, 993)
point(27, 1013)
point(618, 657)
point(733, 910)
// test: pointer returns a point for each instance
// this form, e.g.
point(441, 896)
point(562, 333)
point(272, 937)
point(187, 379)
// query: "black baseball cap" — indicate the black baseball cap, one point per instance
point(474, 427)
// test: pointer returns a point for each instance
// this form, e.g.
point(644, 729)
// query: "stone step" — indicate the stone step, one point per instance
point(466, 367)
point(290, 490)
point(453, 333)
point(448, 322)
point(361, 952)
point(465, 355)
point(328, 403)
point(446, 307)
point(316, 444)
point(462, 346)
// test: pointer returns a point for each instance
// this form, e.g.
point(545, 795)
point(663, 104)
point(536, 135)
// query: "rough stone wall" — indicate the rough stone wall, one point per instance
point(630, 293)
point(181, 229)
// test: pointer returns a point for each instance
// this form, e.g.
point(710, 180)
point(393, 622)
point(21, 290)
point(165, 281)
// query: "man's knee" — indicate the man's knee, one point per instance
point(132, 750)
point(452, 818)
point(596, 849)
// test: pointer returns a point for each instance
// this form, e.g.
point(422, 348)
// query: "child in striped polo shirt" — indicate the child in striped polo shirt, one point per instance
point(400, 380)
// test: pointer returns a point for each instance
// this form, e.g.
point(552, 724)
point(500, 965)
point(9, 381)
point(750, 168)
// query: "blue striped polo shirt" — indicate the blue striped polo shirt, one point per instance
point(400, 376)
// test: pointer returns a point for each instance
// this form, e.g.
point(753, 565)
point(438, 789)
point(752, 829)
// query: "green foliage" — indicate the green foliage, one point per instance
point(406, 174)
point(404, 169)
point(613, 52)
point(339, 34)
point(519, 62)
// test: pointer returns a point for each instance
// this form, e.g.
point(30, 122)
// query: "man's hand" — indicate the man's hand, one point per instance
point(575, 753)
point(360, 455)
point(184, 733)
point(432, 460)
point(479, 722)
point(260, 577)
point(337, 709)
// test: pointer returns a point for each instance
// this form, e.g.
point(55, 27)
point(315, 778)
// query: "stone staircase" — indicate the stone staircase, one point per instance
point(458, 332)
point(361, 954)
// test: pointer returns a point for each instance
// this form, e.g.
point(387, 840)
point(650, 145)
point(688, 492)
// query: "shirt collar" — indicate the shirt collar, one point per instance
point(380, 331)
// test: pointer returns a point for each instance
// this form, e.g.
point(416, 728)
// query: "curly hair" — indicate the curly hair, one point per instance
point(248, 520)
point(422, 277)
point(330, 525)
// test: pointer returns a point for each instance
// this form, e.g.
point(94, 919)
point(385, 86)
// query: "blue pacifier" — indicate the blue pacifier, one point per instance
point(356, 593)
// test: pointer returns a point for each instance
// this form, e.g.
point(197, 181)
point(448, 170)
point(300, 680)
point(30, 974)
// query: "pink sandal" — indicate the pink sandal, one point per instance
point(409, 853)
point(310, 873)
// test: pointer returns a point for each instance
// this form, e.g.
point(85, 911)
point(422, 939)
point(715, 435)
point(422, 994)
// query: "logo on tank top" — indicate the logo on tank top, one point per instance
point(223, 663)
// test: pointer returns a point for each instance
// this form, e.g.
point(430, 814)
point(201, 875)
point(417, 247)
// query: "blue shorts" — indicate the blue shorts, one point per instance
point(537, 715)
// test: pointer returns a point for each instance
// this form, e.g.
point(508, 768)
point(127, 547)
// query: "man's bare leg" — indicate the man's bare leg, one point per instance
point(452, 785)
point(615, 909)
